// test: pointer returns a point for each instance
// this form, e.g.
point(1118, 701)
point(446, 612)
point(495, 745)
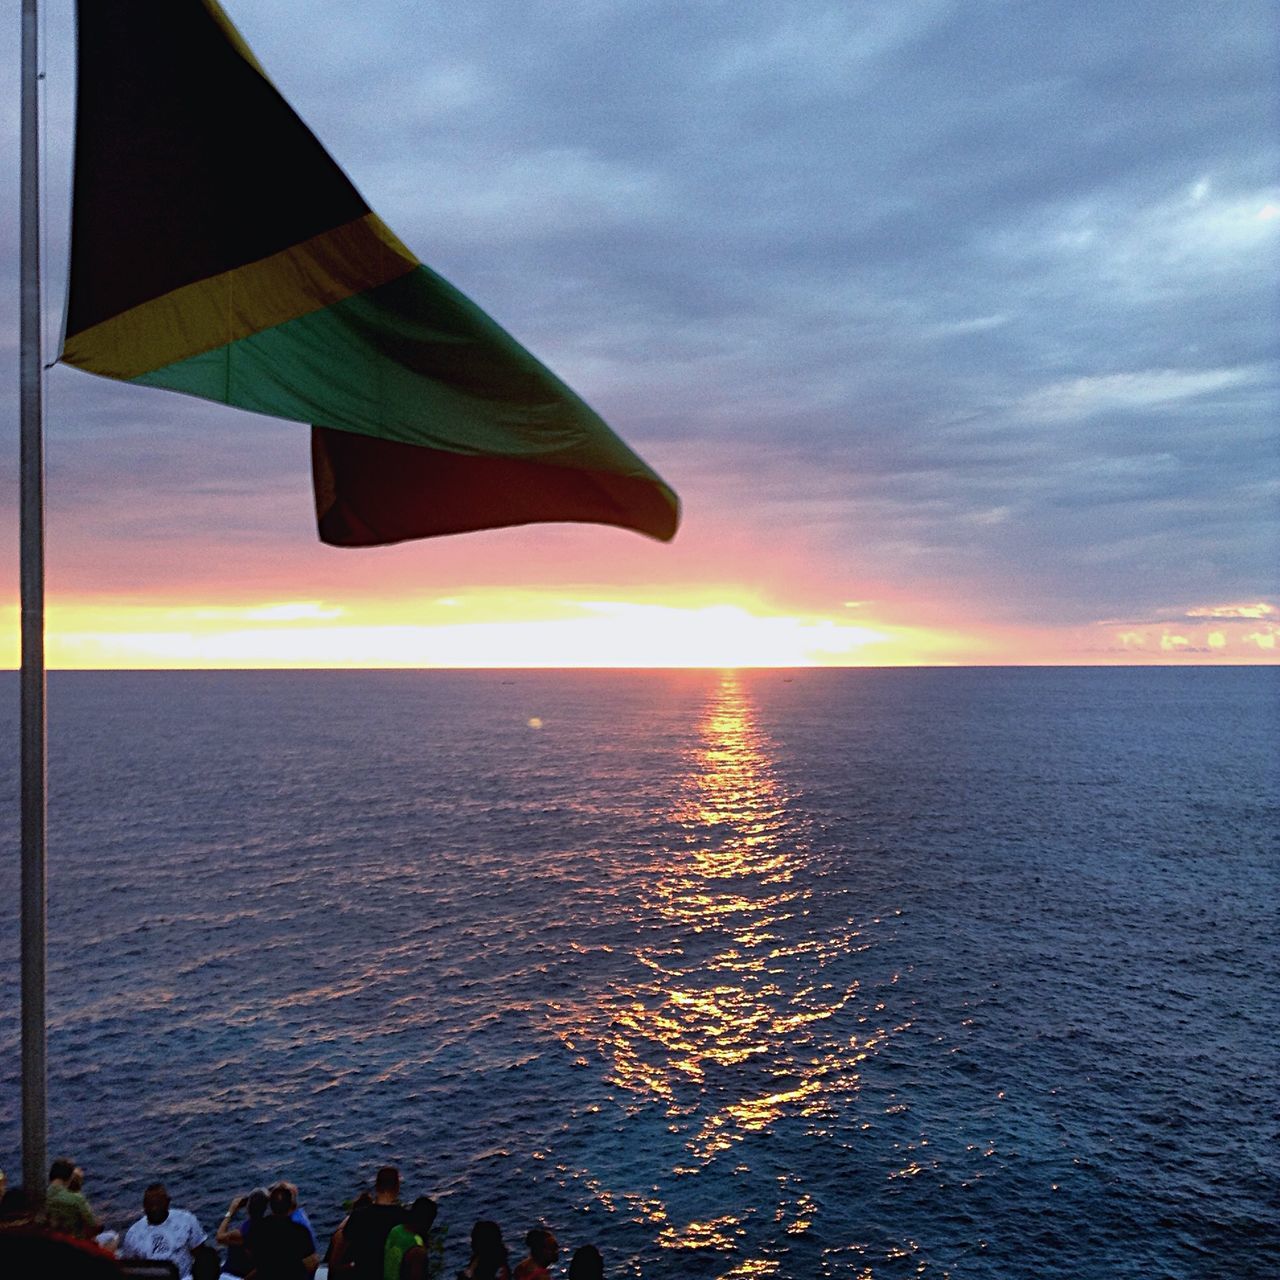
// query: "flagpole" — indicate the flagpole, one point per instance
point(31, 559)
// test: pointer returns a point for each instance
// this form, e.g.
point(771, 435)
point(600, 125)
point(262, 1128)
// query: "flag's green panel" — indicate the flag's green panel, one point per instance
point(412, 361)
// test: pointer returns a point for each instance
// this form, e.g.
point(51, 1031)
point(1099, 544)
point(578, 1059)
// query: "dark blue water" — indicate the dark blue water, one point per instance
point(962, 973)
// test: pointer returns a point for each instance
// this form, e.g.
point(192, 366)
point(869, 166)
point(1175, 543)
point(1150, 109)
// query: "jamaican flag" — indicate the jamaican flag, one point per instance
point(218, 250)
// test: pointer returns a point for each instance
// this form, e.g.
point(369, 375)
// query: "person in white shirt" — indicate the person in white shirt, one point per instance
point(163, 1234)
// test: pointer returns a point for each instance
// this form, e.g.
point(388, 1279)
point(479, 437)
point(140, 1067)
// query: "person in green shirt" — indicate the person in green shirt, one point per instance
point(405, 1257)
point(67, 1211)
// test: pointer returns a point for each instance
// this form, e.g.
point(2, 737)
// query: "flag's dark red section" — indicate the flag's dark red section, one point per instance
point(371, 491)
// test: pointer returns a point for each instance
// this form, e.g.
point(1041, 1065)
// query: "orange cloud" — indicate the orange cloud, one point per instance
point(1226, 611)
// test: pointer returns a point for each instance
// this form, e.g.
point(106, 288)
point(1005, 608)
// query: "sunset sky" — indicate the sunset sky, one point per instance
point(954, 325)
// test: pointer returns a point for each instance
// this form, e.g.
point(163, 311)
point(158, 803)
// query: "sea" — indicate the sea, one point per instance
point(865, 973)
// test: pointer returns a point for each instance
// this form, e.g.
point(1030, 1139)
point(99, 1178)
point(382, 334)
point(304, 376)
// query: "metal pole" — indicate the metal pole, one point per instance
point(31, 556)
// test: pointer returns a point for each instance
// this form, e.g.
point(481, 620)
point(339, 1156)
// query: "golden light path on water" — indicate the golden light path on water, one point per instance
point(725, 1034)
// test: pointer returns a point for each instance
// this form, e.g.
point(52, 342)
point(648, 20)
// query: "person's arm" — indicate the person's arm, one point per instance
point(226, 1233)
point(339, 1266)
point(195, 1233)
point(303, 1221)
point(416, 1264)
point(311, 1262)
point(89, 1222)
point(129, 1245)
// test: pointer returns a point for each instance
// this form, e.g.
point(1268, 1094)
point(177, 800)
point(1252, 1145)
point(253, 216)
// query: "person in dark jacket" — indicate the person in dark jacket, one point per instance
point(281, 1248)
point(489, 1259)
point(586, 1264)
point(364, 1238)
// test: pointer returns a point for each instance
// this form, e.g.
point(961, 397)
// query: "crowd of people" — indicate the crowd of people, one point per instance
point(266, 1235)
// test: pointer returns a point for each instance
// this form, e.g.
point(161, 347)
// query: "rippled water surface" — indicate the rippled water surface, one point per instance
point(852, 973)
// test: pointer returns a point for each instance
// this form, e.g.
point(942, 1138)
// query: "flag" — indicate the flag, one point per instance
point(218, 250)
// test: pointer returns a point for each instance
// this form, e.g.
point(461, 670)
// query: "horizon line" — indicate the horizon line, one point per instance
point(811, 666)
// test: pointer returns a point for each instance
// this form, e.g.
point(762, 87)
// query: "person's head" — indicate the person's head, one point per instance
point(544, 1248)
point(486, 1240)
point(587, 1264)
point(386, 1184)
point(205, 1263)
point(362, 1201)
point(155, 1203)
point(281, 1200)
point(76, 1181)
point(18, 1207)
point(61, 1170)
point(256, 1205)
point(422, 1215)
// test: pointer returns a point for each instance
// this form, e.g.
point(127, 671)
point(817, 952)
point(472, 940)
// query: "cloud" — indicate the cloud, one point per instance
point(1222, 614)
point(1213, 630)
point(1234, 612)
point(293, 611)
point(1081, 397)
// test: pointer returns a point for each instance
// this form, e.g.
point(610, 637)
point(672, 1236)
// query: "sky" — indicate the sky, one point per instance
point(954, 325)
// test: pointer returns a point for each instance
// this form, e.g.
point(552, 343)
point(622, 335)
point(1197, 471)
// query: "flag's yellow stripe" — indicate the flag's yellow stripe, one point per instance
point(234, 38)
point(235, 304)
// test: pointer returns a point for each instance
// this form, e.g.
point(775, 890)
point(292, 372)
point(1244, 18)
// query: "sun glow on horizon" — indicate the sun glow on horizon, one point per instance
point(718, 627)
point(487, 629)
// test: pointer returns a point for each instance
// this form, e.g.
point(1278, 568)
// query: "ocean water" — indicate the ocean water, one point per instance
point(877, 974)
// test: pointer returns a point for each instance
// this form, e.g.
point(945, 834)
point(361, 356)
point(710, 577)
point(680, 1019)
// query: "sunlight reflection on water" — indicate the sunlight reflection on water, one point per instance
point(721, 1029)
